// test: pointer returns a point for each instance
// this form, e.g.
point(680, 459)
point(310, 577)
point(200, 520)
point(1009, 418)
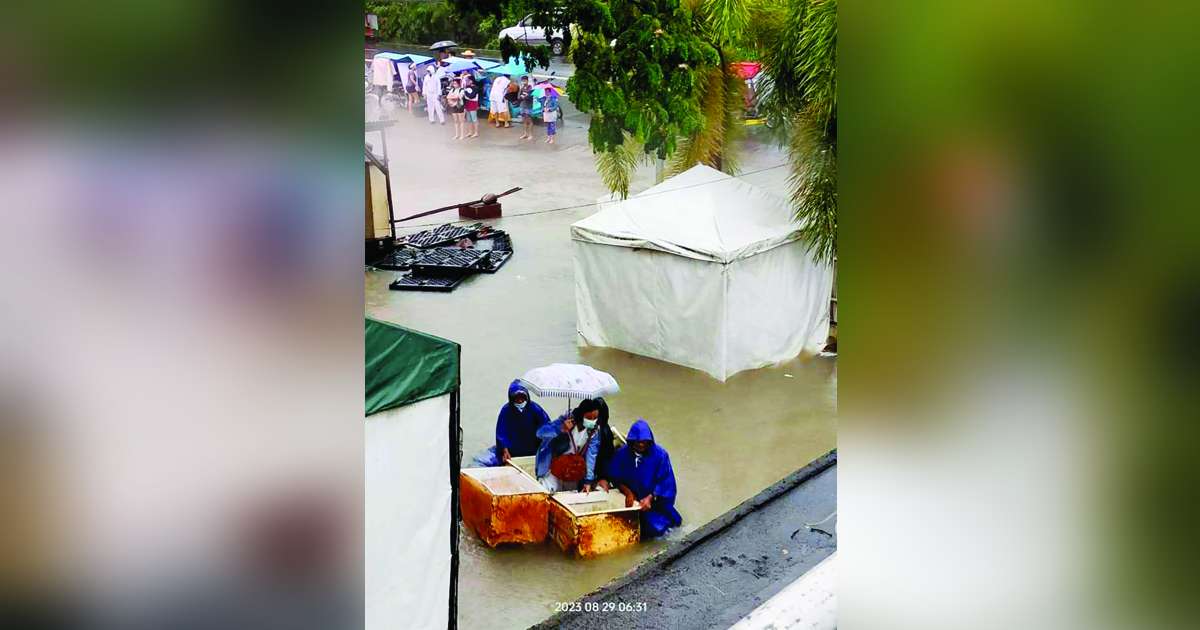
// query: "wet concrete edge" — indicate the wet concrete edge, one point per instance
point(662, 560)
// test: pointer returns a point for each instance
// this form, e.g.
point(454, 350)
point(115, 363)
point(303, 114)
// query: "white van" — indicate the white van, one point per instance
point(526, 33)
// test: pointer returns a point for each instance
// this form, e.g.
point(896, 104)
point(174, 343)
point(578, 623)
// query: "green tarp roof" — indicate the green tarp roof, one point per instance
point(405, 366)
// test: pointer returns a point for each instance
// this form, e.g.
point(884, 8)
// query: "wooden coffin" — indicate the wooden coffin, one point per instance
point(503, 505)
point(593, 523)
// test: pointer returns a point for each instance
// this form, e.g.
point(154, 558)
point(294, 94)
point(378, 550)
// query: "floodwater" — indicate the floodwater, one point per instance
point(727, 440)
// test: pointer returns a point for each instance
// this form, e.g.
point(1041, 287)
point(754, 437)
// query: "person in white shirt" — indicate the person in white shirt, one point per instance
point(432, 90)
point(497, 106)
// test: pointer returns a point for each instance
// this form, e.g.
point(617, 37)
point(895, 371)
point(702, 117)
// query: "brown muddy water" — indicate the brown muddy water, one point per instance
point(727, 440)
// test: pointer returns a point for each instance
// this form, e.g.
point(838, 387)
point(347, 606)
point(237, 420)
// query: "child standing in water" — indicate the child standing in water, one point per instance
point(550, 113)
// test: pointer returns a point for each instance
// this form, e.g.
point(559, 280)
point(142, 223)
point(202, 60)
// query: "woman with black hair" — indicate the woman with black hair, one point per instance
point(607, 449)
point(570, 444)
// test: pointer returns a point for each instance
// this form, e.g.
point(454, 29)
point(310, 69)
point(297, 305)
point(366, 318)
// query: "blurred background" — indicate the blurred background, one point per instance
point(1019, 303)
point(181, 383)
point(181, 380)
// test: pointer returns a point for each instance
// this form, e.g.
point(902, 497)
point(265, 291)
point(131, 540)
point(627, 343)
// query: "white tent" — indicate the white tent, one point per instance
point(412, 455)
point(704, 270)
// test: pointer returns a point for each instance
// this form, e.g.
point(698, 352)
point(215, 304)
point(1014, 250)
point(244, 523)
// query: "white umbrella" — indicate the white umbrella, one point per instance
point(569, 380)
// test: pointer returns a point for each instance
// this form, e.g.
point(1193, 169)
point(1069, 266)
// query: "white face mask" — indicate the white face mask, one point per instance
point(520, 406)
point(589, 424)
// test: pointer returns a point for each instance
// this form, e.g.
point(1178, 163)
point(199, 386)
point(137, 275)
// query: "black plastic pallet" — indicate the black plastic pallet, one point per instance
point(450, 261)
point(500, 240)
point(425, 283)
point(400, 259)
point(495, 261)
point(444, 234)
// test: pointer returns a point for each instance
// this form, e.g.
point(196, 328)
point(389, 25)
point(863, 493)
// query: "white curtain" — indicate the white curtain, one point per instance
point(408, 515)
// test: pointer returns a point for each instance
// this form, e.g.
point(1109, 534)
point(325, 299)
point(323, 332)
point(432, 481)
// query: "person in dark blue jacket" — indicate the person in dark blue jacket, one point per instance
point(516, 428)
point(642, 471)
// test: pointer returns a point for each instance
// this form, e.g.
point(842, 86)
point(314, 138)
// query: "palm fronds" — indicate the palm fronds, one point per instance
point(813, 182)
point(816, 66)
point(799, 93)
point(616, 165)
point(721, 102)
point(726, 20)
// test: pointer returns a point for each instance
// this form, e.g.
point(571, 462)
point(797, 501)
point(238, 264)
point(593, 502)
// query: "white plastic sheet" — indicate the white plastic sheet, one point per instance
point(408, 511)
point(704, 270)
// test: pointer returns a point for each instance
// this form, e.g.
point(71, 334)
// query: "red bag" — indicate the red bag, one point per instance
point(569, 467)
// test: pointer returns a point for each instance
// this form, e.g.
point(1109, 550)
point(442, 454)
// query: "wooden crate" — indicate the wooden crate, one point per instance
point(590, 524)
point(503, 505)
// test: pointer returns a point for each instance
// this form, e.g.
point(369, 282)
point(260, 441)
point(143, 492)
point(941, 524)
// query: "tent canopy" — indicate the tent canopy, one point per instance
point(514, 68)
point(685, 271)
point(701, 213)
point(458, 64)
point(405, 366)
point(404, 57)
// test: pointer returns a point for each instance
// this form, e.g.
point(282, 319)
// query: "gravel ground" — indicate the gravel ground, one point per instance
point(720, 573)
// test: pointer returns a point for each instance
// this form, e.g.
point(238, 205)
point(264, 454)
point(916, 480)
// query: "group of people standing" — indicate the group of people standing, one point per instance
point(576, 451)
point(504, 94)
point(462, 98)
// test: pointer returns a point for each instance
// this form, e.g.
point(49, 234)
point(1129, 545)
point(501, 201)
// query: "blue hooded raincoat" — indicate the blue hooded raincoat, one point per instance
point(650, 474)
point(516, 430)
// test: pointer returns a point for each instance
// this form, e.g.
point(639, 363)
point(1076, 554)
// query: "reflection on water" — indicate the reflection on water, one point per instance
point(727, 440)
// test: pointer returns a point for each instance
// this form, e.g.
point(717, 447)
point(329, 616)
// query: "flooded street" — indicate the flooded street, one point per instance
point(727, 440)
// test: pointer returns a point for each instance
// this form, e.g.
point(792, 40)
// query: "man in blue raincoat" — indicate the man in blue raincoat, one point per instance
point(642, 470)
point(516, 428)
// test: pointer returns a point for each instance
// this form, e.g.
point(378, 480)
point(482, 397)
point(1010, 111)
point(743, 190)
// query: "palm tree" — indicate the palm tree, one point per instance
point(719, 93)
point(800, 56)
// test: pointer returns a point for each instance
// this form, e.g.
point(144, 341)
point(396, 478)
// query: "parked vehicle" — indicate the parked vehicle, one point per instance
point(526, 33)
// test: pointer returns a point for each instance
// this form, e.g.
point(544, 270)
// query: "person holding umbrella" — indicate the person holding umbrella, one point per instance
point(570, 445)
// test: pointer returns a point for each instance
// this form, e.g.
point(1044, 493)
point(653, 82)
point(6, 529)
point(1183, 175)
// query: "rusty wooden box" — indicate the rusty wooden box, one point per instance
point(503, 505)
point(593, 523)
